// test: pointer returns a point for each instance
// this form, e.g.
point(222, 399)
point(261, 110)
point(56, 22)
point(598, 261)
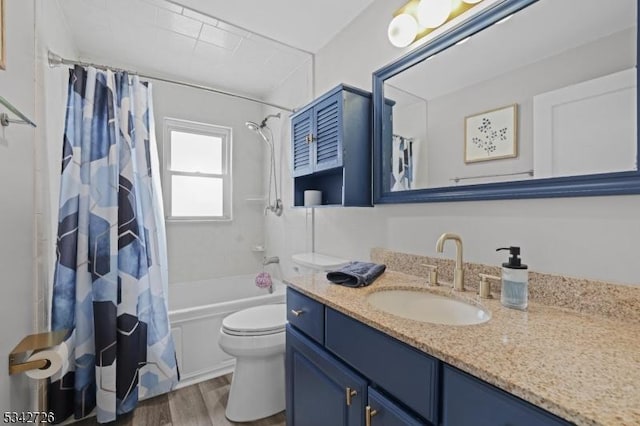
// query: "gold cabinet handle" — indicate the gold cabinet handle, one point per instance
point(368, 414)
point(297, 312)
point(350, 393)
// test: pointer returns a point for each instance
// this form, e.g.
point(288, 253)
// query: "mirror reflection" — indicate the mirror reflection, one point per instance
point(547, 92)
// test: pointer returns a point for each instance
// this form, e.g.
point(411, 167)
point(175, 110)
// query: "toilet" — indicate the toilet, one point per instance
point(310, 263)
point(256, 337)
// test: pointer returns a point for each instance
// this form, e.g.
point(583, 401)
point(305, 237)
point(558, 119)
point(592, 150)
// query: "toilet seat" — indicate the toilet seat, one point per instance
point(257, 321)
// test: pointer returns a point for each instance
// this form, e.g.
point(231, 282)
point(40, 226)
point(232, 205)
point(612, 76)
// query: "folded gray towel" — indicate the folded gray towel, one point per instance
point(356, 274)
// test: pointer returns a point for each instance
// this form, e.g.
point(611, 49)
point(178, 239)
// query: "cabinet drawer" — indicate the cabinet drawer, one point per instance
point(306, 315)
point(386, 412)
point(470, 401)
point(412, 377)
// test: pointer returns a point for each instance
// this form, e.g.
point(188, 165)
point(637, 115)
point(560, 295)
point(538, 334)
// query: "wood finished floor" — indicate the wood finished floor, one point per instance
point(198, 405)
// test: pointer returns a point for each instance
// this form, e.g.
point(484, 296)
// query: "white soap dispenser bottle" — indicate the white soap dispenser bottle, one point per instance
point(515, 281)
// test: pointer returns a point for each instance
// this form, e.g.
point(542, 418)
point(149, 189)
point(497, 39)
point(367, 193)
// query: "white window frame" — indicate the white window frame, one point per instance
point(222, 132)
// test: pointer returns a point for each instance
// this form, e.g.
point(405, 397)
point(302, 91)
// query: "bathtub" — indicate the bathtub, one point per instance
point(196, 310)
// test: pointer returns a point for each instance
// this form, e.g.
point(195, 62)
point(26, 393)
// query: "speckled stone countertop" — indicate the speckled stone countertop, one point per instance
point(581, 367)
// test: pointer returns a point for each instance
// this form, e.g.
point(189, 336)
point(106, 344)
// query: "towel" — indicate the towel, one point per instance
point(356, 274)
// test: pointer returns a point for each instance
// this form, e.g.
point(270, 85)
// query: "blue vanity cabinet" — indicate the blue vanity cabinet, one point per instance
point(380, 410)
point(321, 391)
point(306, 315)
point(357, 375)
point(331, 148)
point(467, 400)
point(406, 374)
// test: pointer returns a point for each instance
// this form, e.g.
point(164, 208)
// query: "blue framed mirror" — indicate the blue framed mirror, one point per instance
point(525, 99)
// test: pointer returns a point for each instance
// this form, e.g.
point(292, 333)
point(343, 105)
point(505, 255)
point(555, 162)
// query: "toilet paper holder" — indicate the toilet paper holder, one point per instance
point(30, 343)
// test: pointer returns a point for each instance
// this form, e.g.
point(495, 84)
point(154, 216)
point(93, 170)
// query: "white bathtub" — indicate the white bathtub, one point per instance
point(196, 310)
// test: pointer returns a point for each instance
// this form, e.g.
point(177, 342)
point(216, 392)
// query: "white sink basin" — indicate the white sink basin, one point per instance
point(427, 307)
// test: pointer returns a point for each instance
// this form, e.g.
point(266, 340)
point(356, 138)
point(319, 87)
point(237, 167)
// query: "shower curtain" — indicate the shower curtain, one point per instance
point(110, 283)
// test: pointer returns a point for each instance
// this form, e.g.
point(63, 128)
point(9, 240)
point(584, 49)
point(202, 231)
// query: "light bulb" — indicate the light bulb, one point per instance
point(402, 30)
point(433, 13)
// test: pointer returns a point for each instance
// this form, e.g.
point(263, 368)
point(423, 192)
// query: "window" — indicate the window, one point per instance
point(197, 160)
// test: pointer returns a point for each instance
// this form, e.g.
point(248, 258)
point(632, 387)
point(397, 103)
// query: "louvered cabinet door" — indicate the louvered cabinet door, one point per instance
point(327, 143)
point(302, 135)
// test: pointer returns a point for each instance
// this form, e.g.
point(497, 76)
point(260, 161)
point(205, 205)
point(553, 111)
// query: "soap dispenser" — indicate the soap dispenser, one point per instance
point(515, 281)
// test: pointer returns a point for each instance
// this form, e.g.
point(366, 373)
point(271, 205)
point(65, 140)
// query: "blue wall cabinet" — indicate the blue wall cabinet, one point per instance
point(321, 391)
point(301, 133)
point(388, 382)
point(331, 148)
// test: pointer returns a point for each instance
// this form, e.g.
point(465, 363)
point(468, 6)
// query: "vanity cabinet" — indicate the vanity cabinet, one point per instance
point(383, 411)
point(321, 391)
point(467, 400)
point(331, 148)
point(356, 375)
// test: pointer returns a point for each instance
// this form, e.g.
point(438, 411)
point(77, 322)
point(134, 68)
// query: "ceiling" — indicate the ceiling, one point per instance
point(249, 46)
point(305, 24)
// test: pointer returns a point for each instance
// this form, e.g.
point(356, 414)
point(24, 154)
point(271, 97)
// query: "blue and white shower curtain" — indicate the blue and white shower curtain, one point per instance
point(110, 284)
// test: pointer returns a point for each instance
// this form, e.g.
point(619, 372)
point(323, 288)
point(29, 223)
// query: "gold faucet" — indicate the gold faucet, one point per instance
point(458, 273)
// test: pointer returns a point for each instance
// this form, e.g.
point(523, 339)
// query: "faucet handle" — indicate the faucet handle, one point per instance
point(484, 289)
point(433, 273)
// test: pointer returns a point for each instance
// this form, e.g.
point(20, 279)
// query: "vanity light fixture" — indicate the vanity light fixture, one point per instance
point(403, 29)
point(433, 13)
point(417, 18)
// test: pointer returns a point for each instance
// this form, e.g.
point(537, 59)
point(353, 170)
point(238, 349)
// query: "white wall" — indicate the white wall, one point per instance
point(51, 100)
point(289, 233)
point(594, 238)
point(200, 250)
point(17, 194)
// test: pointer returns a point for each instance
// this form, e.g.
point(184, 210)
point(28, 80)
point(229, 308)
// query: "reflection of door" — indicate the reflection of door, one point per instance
point(586, 128)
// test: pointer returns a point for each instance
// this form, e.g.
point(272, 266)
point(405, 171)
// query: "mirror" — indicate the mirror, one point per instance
point(525, 99)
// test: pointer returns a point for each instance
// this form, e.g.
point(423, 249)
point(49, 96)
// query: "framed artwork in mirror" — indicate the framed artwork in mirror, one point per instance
point(491, 135)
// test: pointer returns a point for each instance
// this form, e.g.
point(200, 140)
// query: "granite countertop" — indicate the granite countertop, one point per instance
point(583, 368)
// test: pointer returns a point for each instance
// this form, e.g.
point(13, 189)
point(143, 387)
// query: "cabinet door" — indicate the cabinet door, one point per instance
point(327, 146)
point(318, 385)
point(383, 412)
point(302, 134)
point(467, 400)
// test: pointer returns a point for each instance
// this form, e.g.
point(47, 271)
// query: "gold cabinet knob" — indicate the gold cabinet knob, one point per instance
point(350, 393)
point(369, 412)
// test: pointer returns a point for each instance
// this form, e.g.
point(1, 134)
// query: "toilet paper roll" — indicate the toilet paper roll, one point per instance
point(58, 357)
point(312, 198)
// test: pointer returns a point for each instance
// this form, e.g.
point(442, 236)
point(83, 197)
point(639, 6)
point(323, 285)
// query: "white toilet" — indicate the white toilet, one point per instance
point(309, 263)
point(256, 337)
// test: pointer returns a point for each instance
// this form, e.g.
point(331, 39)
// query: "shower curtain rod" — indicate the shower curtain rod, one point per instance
point(57, 60)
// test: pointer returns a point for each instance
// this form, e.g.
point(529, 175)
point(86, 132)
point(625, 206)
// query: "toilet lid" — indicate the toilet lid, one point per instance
point(259, 320)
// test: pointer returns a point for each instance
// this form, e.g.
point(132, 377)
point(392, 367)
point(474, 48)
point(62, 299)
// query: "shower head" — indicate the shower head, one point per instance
point(252, 126)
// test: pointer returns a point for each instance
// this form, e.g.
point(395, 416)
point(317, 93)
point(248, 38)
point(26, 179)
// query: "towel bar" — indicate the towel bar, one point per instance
point(4, 117)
